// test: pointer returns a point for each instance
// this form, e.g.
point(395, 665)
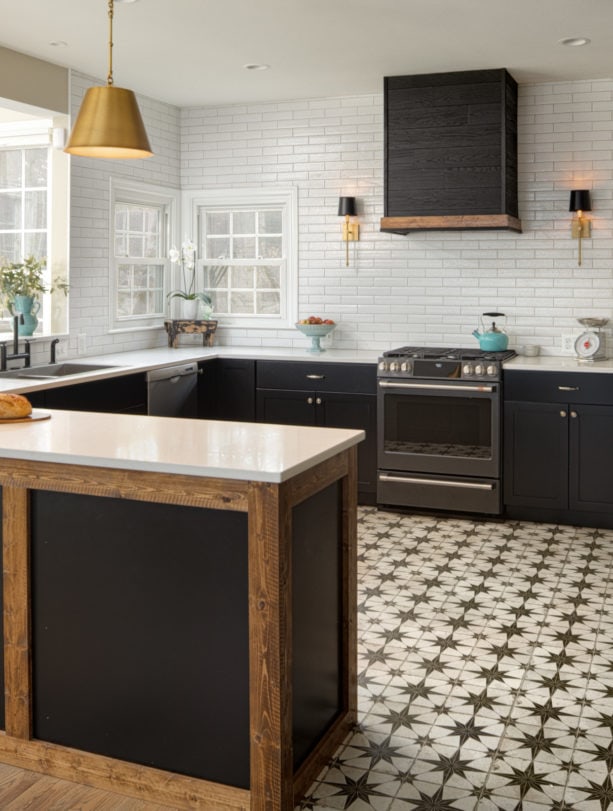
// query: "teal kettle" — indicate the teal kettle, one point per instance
point(492, 339)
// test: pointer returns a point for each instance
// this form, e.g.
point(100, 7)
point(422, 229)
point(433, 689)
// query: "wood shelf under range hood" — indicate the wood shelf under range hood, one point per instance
point(490, 222)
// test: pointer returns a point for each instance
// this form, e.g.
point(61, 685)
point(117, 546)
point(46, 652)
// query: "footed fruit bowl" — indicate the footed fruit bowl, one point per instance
point(315, 332)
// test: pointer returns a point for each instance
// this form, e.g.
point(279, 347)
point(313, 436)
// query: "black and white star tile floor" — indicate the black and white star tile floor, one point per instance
point(485, 669)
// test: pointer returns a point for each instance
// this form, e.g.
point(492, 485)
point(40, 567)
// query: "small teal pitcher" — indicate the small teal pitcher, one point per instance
point(28, 307)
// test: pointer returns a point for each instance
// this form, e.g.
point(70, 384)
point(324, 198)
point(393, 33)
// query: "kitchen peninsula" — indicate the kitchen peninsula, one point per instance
point(179, 605)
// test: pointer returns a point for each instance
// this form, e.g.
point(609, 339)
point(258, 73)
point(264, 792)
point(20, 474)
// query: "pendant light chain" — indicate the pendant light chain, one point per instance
point(109, 78)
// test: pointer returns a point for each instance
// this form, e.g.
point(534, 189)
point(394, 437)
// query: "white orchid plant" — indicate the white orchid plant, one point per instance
point(186, 257)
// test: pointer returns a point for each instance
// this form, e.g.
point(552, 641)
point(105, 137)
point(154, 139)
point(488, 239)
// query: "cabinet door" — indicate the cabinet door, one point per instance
point(226, 390)
point(536, 455)
point(285, 407)
point(591, 452)
point(355, 411)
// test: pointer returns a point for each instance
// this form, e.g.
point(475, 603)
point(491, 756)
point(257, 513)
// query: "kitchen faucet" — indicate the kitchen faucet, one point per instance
point(54, 343)
point(15, 354)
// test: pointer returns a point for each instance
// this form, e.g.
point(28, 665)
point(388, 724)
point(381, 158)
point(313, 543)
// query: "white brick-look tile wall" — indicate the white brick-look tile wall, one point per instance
point(426, 288)
point(90, 222)
point(429, 287)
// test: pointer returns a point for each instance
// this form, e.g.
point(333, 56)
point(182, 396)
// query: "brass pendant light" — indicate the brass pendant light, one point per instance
point(109, 124)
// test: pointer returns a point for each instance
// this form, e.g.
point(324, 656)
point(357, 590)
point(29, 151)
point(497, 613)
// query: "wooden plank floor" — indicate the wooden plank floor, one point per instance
point(22, 790)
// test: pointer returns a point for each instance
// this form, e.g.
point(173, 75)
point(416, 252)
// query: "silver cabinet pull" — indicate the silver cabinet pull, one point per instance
point(573, 414)
point(315, 377)
point(436, 482)
point(568, 388)
point(318, 401)
point(310, 400)
point(562, 413)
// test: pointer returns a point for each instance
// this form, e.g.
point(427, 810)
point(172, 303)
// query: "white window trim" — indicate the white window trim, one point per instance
point(282, 197)
point(132, 191)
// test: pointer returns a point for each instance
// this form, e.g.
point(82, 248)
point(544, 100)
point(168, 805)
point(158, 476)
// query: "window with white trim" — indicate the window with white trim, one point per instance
point(142, 217)
point(23, 202)
point(247, 254)
point(34, 205)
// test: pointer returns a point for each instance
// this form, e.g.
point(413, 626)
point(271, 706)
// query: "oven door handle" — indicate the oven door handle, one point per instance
point(384, 384)
point(436, 482)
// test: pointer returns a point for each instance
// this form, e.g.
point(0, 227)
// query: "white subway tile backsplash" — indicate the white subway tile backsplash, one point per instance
point(429, 287)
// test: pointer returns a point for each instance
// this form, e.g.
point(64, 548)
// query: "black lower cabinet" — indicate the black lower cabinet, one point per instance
point(536, 455)
point(557, 454)
point(226, 389)
point(124, 394)
point(329, 410)
point(591, 451)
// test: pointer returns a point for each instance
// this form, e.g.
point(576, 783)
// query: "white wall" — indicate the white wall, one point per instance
point(89, 226)
point(427, 288)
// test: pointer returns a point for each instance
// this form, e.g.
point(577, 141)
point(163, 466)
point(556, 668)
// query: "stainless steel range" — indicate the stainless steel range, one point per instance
point(438, 433)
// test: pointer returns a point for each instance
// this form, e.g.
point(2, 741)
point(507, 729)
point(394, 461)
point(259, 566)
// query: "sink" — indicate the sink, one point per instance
point(60, 370)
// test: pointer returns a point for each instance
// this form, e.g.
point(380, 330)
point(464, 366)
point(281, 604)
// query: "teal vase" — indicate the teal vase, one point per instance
point(28, 307)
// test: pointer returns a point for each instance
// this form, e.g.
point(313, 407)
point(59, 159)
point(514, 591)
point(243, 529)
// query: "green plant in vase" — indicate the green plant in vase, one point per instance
point(190, 298)
point(21, 286)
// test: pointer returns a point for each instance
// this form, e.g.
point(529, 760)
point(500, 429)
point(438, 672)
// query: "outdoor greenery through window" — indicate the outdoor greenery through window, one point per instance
point(243, 260)
point(247, 255)
point(141, 217)
point(34, 208)
point(23, 203)
point(140, 266)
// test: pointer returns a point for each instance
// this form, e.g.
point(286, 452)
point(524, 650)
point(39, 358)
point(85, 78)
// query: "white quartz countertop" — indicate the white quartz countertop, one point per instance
point(122, 363)
point(230, 450)
point(545, 363)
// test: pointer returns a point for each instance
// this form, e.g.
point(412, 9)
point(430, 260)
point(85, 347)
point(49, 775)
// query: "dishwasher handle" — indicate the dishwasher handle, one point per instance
point(172, 373)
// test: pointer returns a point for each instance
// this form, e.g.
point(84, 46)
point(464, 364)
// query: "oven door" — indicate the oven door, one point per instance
point(426, 426)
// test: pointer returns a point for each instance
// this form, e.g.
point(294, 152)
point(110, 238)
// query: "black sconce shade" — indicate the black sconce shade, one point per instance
point(580, 200)
point(346, 205)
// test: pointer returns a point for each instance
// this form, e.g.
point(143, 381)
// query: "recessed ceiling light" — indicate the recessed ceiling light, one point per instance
point(574, 42)
point(59, 43)
point(256, 67)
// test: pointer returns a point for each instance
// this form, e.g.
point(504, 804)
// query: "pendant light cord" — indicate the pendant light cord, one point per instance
point(109, 78)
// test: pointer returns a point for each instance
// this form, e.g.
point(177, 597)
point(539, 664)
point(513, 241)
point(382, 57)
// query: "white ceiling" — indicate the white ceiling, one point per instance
point(192, 52)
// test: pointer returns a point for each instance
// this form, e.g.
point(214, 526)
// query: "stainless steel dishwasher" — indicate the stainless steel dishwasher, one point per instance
point(172, 391)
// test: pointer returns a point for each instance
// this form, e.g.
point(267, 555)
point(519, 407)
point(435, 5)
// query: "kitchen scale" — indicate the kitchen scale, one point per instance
point(590, 345)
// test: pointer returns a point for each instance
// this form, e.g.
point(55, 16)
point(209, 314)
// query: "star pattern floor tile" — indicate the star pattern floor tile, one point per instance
point(485, 669)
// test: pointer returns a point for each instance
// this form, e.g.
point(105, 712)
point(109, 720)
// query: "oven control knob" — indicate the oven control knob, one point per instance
point(382, 365)
point(467, 369)
point(394, 366)
point(492, 370)
point(405, 366)
point(479, 369)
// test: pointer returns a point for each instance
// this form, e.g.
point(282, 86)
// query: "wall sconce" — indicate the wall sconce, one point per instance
point(580, 227)
point(351, 230)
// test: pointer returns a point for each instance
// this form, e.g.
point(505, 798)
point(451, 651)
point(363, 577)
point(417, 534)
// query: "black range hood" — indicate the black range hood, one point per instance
point(451, 152)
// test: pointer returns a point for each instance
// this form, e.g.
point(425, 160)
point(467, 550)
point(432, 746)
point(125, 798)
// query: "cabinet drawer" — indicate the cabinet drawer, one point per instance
point(559, 387)
point(317, 376)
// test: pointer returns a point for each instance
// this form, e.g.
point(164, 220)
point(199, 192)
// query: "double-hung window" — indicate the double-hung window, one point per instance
point(247, 254)
point(34, 206)
point(142, 218)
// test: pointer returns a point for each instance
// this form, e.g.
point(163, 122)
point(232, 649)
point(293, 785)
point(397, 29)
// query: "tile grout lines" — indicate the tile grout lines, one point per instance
point(485, 680)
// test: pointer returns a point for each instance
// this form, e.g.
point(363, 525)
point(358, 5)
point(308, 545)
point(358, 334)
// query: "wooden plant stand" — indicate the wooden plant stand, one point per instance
point(189, 326)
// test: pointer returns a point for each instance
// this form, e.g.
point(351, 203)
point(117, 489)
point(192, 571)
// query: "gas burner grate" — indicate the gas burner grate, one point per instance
point(441, 353)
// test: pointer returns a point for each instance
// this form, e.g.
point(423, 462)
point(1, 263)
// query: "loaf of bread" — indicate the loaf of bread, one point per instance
point(13, 406)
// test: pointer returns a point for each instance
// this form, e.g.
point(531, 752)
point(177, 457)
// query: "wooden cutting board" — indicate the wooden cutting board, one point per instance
point(33, 417)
